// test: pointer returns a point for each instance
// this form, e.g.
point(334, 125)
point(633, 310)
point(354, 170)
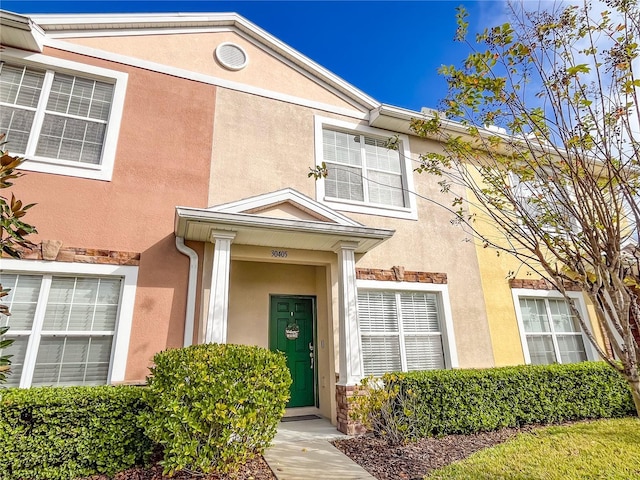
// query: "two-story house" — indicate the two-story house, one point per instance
point(169, 158)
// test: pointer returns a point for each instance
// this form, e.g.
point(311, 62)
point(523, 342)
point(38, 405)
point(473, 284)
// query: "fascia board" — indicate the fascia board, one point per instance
point(231, 220)
point(21, 32)
point(77, 23)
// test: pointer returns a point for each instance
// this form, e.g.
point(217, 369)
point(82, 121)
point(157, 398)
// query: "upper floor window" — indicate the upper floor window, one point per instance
point(363, 174)
point(545, 202)
point(62, 121)
point(362, 168)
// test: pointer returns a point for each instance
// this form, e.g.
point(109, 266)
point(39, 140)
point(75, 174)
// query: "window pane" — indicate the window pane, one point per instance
point(563, 319)
point(16, 124)
point(81, 97)
point(380, 157)
point(22, 299)
point(424, 352)
point(534, 315)
point(20, 85)
point(18, 350)
point(385, 188)
point(341, 148)
point(377, 312)
point(380, 355)
point(82, 304)
point(541, 349)
point(571, 348)
point(419, 312)
point(72, 361)
point(344, 182)
point(71, 139)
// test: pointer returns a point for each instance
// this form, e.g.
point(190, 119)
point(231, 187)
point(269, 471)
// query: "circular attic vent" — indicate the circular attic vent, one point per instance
point(231, 56)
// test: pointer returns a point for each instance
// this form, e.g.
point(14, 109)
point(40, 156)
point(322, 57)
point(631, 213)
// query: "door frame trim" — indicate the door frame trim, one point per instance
point(313, 298)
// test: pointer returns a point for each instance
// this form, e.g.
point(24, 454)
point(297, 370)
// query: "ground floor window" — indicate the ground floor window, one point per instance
point(64, 327)
point(550, 331)
point(400, 331)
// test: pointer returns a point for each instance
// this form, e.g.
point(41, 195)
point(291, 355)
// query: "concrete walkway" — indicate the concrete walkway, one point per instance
point(301, 451)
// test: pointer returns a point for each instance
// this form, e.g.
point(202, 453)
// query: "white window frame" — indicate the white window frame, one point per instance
point(103, 171)
point(122, 334)
point(365, 207)
point(444, 309)
point(578, 299)
point(530, 191)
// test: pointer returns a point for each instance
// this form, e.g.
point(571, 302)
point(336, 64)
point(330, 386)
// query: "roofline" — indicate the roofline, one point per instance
point(56, 25)
point(251, 220)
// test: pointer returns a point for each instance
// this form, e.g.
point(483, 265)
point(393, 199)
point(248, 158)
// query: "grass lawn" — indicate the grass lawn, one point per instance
point(603, 449)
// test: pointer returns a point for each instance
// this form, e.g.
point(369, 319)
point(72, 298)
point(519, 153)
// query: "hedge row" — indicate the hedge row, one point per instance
point(211, 407)
point(64, 433)
point(467, 401)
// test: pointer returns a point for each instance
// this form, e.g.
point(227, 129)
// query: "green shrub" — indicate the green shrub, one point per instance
point(467, 401)
point(69, 432)
point(215, 406)
point(377, 407)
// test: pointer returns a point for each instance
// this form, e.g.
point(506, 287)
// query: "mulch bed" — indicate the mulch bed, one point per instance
point(414, 460)
point(255, 469)
point(402, 462)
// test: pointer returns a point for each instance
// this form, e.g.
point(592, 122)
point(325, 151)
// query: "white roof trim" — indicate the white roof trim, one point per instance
point(200, 77)
point(281, 196)
point(198, 224)
point(110, 23)
point(20, 31)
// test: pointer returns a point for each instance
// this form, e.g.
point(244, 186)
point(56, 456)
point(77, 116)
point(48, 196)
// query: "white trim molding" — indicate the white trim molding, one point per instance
point(579, 302)
point(104, 170)
point(122, 335)
point(409, 212)
point(444, 308)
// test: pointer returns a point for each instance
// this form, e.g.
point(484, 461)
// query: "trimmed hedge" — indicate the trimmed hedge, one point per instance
point(467, 401)
point(215, 406)
point(68, 432)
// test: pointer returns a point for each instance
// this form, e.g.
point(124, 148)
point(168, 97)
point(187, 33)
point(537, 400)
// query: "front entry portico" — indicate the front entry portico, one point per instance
point(289, 231)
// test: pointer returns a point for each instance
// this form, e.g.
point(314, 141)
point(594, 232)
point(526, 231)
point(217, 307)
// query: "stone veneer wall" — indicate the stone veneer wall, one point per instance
point(52, 250)
point(343, 407)
point(344, 393)
point(540, 284)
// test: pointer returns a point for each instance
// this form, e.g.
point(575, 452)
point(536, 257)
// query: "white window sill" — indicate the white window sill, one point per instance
point(368, 209)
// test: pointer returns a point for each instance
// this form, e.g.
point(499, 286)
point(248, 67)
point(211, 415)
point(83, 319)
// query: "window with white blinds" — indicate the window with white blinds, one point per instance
point(63, 328)
point(400, 331)
point(362, 169)
point(51, 115)
point(552, 331)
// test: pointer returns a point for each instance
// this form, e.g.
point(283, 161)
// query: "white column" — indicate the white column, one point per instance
point(216, 331)
point(349, 348)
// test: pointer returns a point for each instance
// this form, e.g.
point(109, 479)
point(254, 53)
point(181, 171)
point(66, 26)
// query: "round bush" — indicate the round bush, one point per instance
point(215, 406)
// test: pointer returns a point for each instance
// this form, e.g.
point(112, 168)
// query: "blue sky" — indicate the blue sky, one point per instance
point(389, 49)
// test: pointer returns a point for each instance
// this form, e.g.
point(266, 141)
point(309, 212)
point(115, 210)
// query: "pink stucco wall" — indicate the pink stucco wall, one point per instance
point(162, 160)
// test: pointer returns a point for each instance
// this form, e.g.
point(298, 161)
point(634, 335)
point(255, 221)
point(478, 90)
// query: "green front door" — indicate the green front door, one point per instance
point(291, 330)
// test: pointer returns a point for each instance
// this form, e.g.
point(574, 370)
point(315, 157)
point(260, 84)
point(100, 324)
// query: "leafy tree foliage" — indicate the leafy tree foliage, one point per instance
point(542, 155)
point(13, 236)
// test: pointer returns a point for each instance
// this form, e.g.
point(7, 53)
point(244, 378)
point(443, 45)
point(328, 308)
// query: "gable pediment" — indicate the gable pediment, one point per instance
point(286, 204)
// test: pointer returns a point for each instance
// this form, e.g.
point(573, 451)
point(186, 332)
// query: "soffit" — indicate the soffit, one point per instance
point(21, 32)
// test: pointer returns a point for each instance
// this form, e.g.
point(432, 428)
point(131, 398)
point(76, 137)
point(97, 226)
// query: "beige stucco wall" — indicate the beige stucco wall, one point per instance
point(195, 52)
point(264, 145)
point(252, 283)
point(166, 121)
